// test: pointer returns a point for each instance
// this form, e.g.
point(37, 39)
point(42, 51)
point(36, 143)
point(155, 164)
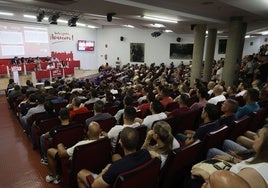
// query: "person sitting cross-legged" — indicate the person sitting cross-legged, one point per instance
point(54, 154)
point(129, 140)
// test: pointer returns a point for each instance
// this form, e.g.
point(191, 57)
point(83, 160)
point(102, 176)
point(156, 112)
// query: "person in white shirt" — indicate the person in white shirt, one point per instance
point(128, 118)
point(50, 66)
point(242, 89)
point(210, 87)
point(219, 97)
point(93, 134)
point(157, 114)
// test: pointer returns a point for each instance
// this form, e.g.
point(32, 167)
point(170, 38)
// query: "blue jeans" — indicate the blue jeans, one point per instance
point(228, 145)
point(43, 151)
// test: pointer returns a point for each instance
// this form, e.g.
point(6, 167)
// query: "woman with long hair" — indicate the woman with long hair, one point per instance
point(254, 170)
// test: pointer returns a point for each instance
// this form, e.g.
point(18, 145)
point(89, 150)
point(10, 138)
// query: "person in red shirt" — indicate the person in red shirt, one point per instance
point(166, 99)
point(145, 107)
point(77, 108)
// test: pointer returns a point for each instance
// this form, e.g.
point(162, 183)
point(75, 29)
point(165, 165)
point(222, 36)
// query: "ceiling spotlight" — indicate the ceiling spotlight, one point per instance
point(40, 16)
point(110, 16)
point(53, 19)
point(72, 21)
point(156, 33)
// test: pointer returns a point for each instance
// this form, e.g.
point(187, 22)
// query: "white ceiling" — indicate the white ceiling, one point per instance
point(214, 13)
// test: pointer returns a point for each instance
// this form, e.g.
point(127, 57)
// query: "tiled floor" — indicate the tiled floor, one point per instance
point(19, 165)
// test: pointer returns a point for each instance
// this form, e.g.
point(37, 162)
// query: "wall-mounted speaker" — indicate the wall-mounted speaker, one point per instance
point(121, 38)
point(178, 39)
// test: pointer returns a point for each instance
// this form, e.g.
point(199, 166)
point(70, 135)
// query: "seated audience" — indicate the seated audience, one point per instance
point(129, 140)
point(210, 87)
point(202, 101)
point(210, 116)
point(165, 99)
point(218, 95)
point(49, 107)
point(13, 95)
point(127, 101)
point(145, 107)
point(54, 154)
point(38, 109)
point(183, 100)
point(252, 170)
point(156, 109)
point(93, 97)
point(165, 142)
point(251, 97)
point(241, 89)
point(64, 119)
point(77, 108)
point(98, 114)
point(128, 119)
point(229, 108)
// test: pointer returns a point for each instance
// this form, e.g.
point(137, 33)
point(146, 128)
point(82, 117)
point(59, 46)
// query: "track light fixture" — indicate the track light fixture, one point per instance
point(156, 33)
point(110, 16)
point(72, 21)
point(53, 19)
point(40, 16)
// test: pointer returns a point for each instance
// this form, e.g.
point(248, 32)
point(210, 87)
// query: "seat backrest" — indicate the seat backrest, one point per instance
point(179, 163)
point(240, 100)
point(186, 121)
point(240, 126)
point(145, 175)
point(43, 127)
point(111, 110)
point(107, 124)
point(81, 118)
point(214, 139)
point(58, 106)
point(30, 121)
point(172, 106)
point(257, 120)
point(69, 136)
point(142, 130)
point(46, 125)
point(93, 156)
point(89, 106)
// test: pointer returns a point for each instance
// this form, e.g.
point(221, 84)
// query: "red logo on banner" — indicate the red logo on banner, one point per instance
point(56, 73)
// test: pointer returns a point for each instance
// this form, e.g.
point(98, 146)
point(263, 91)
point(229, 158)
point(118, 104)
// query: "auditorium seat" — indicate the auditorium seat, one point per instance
point(145, 175)
point(187, 121)
point(81, 118)
point(257, 119)
point(93, 156)
point(214, 139)
point(107, 124)
point(179, 163)
point(240, 126)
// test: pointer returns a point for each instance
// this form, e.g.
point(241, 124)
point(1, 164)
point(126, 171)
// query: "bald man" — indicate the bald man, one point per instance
point(54, 154)
point(225, 179)
point(218, 93)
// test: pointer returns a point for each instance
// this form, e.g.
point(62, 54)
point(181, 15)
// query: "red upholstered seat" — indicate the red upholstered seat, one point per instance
point(145, 175)
point(179, 163)
point(93, 156)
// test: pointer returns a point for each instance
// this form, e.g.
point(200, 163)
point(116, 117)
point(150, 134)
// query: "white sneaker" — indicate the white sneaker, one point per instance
point(50, 178)
point(43, 161)
point(57, 180)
